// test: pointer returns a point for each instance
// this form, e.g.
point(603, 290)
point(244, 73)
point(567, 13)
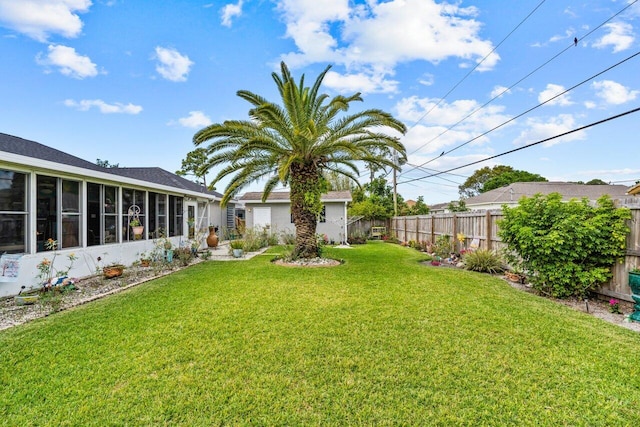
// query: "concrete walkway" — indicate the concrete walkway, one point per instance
point(221, 253)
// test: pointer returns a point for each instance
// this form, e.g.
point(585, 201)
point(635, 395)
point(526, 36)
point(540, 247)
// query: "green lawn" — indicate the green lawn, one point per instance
point(380, 339)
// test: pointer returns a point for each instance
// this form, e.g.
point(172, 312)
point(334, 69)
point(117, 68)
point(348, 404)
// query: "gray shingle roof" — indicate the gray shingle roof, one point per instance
point(256, 196)
point(513, 192)
point(24, 147)
point(162, 177)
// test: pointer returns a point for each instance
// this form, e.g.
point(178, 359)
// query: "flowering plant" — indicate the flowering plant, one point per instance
point(49, 276)
point(614, 306)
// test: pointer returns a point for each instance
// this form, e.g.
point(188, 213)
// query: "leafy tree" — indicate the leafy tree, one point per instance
point(459, 206)
point(487, 178)
point(375, 200)
point(294, 144)
point(420, 208)
point(106, 164)
point(565, 248)
point(195, 164)
point(337, 182)
point(596, 181)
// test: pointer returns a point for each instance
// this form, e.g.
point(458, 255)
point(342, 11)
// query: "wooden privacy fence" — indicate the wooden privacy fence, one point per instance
point(483, 228)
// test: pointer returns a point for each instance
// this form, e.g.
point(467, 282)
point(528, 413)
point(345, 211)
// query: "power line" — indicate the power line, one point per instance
point(508, 89)
point(617, 116)
point(444, 153)
point(473, 69)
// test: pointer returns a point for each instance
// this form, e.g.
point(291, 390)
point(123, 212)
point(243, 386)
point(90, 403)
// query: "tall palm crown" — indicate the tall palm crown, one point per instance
point(293, 143)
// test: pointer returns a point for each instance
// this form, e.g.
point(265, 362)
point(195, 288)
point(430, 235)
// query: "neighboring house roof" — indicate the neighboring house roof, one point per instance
point(439, 207)
point(284, 197)
point(154, 175)
point(634, 191)
point(510, 194)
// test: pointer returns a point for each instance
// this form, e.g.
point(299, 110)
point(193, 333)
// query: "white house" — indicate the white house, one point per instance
point(510, 195)
point(275, 213)
point(87, 209)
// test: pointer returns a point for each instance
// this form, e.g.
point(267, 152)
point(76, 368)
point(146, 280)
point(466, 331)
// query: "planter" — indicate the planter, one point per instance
point(634, 284)
point(26, 299)
point(169, 255)
point(113, 271)
point(237, 253)
point(212, 238)
point(138, 230)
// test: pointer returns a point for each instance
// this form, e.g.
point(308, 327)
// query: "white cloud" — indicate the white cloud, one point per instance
point(499, 91)
point(620, 36)
point(68, 62)
point(614, 93)
point(432, 135)
point(117, 107)
point(373, 37)
point(363, 82)
point(40, 18)
point(195, 120)
point(539, 129)
point(590, 105)
point(554, 90)
point(172, 65)
point(229, 12)
point(426, 79)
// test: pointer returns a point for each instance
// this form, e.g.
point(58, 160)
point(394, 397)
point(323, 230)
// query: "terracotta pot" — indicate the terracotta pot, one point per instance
point(113, 271)
point(212, 238)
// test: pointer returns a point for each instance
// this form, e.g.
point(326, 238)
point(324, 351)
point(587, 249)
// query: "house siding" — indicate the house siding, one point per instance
point(281, 219)
point(36, 160)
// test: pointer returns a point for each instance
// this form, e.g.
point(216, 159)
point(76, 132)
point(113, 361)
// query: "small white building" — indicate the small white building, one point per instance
point(87, 209)
point(275, 213)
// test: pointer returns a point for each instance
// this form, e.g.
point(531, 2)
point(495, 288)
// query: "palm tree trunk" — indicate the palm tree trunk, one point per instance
point(304, 181)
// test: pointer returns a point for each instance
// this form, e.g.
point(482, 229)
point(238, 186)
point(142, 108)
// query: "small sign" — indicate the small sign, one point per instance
point(9, 267)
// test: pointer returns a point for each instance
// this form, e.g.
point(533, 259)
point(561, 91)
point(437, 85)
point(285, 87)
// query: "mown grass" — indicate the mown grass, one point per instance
point(380, 339)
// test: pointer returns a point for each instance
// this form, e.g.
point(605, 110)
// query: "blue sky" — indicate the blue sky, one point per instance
point(131, 81)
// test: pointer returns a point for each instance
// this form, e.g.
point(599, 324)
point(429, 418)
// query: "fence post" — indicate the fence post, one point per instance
point(488, 225)
point(433, 226)
point(405, 229)
point(454, 232)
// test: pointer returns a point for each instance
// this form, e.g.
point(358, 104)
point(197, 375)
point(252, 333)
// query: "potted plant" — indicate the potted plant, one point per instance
point(112, 270)
point(236, 248)
point(137, 227)
point(634, 284)
point(168, 250)
point(145, 260)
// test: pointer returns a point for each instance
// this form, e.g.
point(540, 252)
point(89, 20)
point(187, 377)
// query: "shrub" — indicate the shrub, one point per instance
point(566, 249)
point(443, 246)
point(357, 238)
point(254, 239)
point(288, 238)
point(483, 261)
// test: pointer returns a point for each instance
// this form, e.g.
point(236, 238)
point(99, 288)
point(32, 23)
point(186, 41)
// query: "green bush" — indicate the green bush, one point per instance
point(443, 246)
point(357, 238)
point(483, 261)
point(566, 249)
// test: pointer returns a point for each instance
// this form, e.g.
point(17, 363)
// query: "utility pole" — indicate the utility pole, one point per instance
point(395, 184)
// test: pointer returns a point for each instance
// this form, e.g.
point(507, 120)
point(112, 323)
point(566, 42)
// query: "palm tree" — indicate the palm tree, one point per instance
point(293, 143)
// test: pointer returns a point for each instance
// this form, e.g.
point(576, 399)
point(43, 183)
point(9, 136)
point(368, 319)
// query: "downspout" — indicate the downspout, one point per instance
point(345, 224)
